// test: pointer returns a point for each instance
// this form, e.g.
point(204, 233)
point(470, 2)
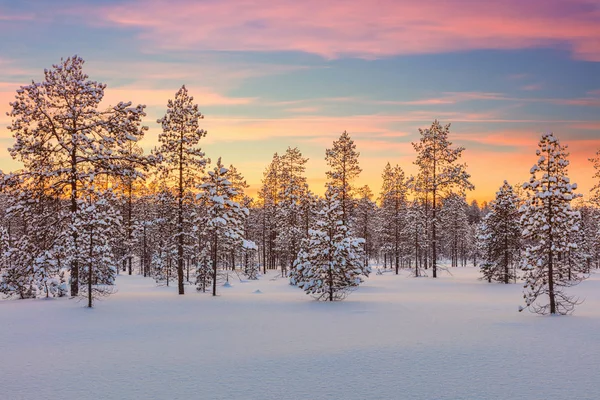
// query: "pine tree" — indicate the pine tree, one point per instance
point(548, 222)
point(34, 249)
point(182, 163)
point(455, 220)
point(330, 263)
point(62, 136)
point(393, 212)
point(269, 200)
point(224, 223)
point(97, 219)
point(500, 237)
point(342, 160)
point(439, 171)
point(417, 235)
point(365, 220)
point(291, 194)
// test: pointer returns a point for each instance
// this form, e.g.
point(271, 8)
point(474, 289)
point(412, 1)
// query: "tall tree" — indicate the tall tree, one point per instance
point(439, 172)
point(342, 160)
point(62, 136)
point(268, 196)
point(393, 211)
point(292, 193)
point(181, 161)
point(548, 222)
point(365, 220)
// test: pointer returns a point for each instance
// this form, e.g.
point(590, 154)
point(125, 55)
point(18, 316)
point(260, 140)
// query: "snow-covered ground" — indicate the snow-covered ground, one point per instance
point(395, 338)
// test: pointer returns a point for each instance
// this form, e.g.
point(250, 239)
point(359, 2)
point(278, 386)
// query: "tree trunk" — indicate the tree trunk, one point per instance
point(214, 264)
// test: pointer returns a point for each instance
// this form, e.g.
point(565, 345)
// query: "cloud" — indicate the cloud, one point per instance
point(532, 87)
point(359, 28)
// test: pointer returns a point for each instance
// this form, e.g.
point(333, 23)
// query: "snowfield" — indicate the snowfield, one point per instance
point(394, 338)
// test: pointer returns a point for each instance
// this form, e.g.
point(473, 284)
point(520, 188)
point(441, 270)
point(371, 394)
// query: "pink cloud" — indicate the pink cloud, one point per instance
point(361, 28)
point(533, 87)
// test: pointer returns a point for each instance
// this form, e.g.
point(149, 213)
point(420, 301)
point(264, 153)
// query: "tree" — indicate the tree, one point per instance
point(62, 137)
point(393, 211)
point(417, 234)
point(182, 162)
point(365, 220)
point(454, 219)
point(500, 237)
point(224, 222)
point(548, 222)
point(269, 200)
point(97, 220)
point(342, 160)
point(33, 252)
point(439, 171)
point(595, 191)
point(292, 192)
point(330, 263)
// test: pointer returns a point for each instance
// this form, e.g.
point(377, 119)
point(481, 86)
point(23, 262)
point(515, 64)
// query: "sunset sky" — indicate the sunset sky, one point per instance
point(271, 74)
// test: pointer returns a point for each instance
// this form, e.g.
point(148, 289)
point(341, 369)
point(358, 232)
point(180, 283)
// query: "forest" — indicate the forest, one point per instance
point(89, 204)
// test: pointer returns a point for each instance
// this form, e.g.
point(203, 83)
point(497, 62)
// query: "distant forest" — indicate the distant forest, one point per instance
point(88, 204)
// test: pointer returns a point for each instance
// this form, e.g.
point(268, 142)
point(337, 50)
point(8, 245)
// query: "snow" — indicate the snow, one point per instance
point(395, 337)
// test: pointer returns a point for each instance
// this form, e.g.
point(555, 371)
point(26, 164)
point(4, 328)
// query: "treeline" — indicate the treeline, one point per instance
point(89, 204)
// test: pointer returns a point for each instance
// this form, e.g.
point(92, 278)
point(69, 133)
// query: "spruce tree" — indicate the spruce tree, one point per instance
point(548, 222)
point(224, 222)
point(330, 262)
point(500, 237)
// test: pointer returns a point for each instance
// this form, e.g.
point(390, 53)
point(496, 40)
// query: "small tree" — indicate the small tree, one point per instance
point(548, 223)
point(500, 237)
point(224, 222)
point(330, 263)
point(97, 220)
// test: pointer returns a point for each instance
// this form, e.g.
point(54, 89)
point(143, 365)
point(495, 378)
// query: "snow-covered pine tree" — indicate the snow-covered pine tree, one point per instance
point(224, 222)
point(291, 193)
point(393, 213)
point(249, 251)
point(63, 137)
point(96, 221)
point(34, 251)
point(181, 162)
point(439, 171)
point(548, 221)
point(342, 160)
point(500, 237)
point(330, 263)
point(163, 238)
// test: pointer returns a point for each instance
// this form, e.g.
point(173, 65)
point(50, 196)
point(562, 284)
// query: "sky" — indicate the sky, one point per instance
point(272, 74)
